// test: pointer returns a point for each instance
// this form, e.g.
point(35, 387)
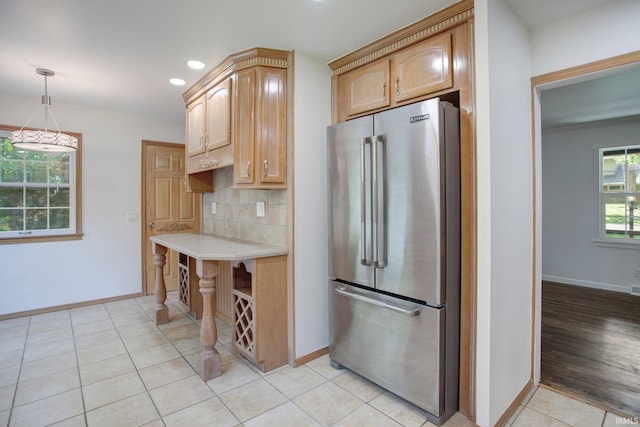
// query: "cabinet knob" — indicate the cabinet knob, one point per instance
point(248, 165)
point(266, 167)
point(152, 225)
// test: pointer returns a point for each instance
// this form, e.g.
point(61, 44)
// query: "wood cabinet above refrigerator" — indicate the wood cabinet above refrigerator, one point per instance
point(406, 67)
point(411, 73)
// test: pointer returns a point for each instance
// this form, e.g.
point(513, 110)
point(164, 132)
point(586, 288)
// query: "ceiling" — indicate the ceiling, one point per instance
point(609, 96)
point(120, 54)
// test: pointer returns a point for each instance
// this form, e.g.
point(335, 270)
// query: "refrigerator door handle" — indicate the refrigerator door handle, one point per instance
point(407, 312)
point(379, 218)
point(364, 249)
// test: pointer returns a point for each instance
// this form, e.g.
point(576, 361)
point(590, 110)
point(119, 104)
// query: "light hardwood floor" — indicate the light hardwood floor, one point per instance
point(591, 345)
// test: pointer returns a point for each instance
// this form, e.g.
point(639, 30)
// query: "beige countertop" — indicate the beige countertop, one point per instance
point(212, 247)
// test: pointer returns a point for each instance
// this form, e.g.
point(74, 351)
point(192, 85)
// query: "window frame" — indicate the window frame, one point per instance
point(77, 235)
point(625, 240)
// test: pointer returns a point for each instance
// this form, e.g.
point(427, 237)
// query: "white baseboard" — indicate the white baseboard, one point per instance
point(588, 284)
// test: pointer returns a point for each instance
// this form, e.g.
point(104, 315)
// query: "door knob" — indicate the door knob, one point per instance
point(151, 225)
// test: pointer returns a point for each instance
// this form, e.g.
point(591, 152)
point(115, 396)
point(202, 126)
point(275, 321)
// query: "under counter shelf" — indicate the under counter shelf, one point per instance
point(260, 315)
point(244, 291)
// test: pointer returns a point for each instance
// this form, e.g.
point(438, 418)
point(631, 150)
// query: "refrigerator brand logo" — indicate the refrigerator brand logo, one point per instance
point(419, 118)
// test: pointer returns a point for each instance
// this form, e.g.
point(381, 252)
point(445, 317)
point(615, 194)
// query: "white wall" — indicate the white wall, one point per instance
point(504, 209)
point(106, 262)
point(570, 207)
point(312, 116)
point(598, 33)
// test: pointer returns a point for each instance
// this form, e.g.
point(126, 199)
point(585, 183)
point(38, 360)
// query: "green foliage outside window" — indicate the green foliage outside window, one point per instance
point(34, 189)
point(620, 191)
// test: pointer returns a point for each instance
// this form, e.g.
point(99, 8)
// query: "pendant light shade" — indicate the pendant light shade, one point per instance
point(44, 140)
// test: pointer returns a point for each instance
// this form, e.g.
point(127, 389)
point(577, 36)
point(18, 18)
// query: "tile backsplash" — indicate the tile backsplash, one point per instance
point(236, 212)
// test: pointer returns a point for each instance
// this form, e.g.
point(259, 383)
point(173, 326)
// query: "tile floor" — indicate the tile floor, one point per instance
point(110, 365)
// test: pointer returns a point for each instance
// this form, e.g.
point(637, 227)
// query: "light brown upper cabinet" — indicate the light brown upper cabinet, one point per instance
point(260, 127)
point(196, 127)
point(196, 179)
point(237, 115)
point(418, 70)
point(244, 127)
point(367, 88)
point(219, 116)
point(422, 69)
point(209, 129)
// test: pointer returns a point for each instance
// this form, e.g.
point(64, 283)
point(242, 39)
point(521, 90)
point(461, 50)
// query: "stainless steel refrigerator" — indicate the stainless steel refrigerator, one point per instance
point(394, 243)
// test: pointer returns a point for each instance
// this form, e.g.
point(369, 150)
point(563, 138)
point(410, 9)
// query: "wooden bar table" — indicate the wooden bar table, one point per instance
point(207, 250)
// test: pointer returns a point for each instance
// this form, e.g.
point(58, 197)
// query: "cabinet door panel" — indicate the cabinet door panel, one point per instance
point(367, 88)
point(219, 116)
point(272, 130)
point(196, 127)
point(244, 126)
point(423, 68)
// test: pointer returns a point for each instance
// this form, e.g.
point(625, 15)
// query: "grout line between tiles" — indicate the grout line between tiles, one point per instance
point(15, 388)
point(75, 350)
point(146, 390)
point(546, 415)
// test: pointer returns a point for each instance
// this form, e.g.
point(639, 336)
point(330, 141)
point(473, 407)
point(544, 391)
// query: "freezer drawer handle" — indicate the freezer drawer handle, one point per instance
point(410, 313)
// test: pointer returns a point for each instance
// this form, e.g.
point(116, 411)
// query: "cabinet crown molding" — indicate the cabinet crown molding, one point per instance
point(237, 61)
point(441, 21)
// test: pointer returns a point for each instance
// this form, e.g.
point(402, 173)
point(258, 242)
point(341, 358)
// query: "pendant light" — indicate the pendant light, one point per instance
point(44, 140)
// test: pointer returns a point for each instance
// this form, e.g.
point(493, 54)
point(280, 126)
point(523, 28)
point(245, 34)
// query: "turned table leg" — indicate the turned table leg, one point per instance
point(209, 364)
point(160, 290)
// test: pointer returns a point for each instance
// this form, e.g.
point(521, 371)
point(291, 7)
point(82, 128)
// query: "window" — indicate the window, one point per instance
point(39, 193)
point(620, 193)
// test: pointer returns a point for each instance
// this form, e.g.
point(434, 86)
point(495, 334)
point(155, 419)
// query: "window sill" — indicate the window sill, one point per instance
point(41, 239)
point(610, 243)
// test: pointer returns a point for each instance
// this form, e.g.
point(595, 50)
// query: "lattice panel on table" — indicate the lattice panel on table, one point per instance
point(183, 281)
point(244, 326)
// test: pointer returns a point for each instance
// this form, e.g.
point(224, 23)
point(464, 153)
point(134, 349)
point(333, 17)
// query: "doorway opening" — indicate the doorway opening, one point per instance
point(577, 271)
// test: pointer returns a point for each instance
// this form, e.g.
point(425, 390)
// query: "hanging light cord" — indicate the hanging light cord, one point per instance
point(46, 101)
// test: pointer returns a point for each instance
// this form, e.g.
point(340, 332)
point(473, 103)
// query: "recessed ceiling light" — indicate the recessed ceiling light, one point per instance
point(196, 65)
point(177, 82)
